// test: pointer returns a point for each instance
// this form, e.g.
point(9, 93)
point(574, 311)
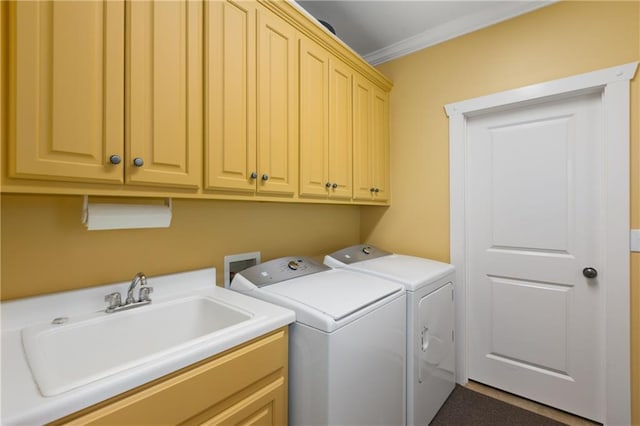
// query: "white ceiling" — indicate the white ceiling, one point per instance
point(381, 30)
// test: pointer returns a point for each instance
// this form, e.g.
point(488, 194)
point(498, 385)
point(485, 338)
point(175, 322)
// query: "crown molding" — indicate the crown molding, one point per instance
point(463, 25)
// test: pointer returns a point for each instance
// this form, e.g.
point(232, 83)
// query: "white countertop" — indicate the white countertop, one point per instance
point(22, 402)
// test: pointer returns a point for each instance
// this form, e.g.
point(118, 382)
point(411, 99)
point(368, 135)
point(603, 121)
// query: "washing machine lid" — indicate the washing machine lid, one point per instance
point(323, 299)
point(413, 272)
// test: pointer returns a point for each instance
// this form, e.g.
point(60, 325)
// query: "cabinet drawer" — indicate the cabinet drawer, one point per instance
point(188, 392)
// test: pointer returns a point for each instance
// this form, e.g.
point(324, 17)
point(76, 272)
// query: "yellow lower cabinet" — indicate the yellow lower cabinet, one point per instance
point(246, 385)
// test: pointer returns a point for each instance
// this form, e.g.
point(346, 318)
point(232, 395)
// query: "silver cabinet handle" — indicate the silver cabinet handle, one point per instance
point(265, 177)
point(334, 186)
point(376, 190)
point(254, 175)
point(115, 159)
point(138, 162)
point(327, 185)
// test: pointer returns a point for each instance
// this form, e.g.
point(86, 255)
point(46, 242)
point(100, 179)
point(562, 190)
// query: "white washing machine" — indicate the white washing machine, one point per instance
point(347, 347)
point(430, 321)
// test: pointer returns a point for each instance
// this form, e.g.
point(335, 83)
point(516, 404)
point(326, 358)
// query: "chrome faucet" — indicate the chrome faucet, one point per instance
point(115, 300)
point(139, 278)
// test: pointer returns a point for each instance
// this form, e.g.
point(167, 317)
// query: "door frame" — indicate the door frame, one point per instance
point(613, 85)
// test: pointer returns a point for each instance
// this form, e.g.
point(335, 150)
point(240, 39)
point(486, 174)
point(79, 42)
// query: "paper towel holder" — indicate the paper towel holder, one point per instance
point(126, 216)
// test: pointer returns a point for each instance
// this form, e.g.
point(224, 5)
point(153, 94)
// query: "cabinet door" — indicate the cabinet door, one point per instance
point(380, 143)
point(164, 92)
point(68, 95)
point(370, 142)
point(314, 120)
point(230, 111)
point(362, 147)
point(340, 130)
point(277, 105)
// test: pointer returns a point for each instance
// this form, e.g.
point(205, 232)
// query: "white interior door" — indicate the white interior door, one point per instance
point(535, 222)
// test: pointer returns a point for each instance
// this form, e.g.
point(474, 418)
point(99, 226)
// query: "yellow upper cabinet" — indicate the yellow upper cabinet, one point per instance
point(230, 98)
point(70, 99)
point(380, 143)
point(370, 141)
point(209, 99)
point(164, 93)
point(277, 105)
point(67, 90)
point(251, 99)
point(325, 123)
point(340, 129)
point(314, 119)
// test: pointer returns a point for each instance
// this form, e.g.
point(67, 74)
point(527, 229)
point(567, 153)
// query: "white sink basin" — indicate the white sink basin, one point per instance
point(87, 348)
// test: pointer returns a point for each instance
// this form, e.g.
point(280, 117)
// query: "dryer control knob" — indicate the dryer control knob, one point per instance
point(366, 250)
point(293, 265)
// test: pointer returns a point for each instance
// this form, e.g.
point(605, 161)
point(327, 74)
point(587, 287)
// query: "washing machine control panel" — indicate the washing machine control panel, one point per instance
point(282, 269)
point(358, 253)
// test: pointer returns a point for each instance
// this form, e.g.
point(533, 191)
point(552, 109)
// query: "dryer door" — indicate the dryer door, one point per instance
point(436, 355)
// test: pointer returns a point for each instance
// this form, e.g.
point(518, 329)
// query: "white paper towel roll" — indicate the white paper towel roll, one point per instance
point(102, 216)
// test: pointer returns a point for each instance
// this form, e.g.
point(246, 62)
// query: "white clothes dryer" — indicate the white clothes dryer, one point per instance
point(430, 321)
point(347, 347)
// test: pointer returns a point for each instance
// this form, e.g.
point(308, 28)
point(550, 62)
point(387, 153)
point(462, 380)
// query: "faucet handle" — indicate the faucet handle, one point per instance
point(114, 300)
point(144, 293)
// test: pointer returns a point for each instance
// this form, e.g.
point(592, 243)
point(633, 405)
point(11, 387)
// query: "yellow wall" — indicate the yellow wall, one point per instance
point(45, 248)
point(561, 40)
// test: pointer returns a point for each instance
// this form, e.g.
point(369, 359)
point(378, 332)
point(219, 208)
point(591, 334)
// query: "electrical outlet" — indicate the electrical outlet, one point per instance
point(235, 263)
point(634, 240)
